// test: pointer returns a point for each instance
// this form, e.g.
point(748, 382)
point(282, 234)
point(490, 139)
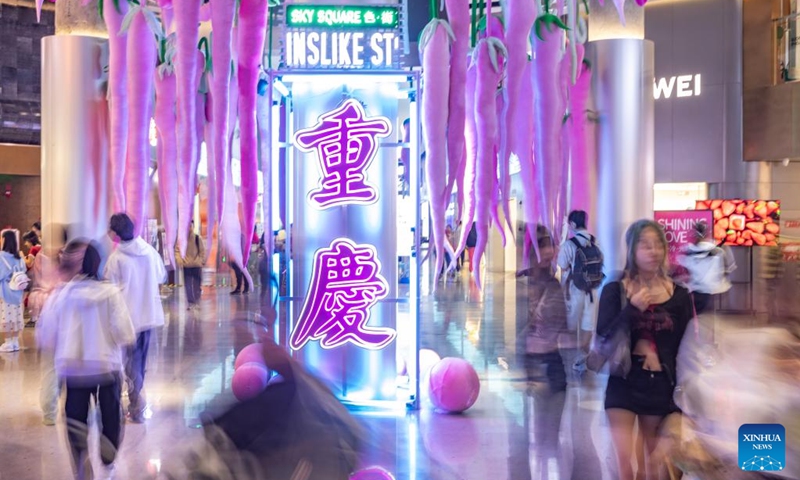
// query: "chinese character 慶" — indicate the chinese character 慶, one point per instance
point(345, 284)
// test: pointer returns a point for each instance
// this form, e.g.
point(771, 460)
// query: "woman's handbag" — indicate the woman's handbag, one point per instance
point(613, 349)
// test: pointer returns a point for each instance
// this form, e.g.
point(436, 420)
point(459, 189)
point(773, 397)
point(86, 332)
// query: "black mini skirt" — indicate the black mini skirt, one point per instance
point(642, 392)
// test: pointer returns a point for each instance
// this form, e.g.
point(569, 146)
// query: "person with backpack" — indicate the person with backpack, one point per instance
point(13, 282)
point(581, 264)
point(709, 267)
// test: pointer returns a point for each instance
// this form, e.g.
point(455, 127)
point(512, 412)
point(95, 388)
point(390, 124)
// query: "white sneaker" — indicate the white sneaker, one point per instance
point(8, 347)
point(15, 342)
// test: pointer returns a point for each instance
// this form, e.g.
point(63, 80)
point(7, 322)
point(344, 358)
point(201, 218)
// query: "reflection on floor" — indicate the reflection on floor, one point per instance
point(511, 433)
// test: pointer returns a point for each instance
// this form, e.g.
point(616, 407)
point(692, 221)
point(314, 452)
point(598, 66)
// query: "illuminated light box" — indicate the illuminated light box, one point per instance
point(351, 299)
point(342, 37)
point(745, 223)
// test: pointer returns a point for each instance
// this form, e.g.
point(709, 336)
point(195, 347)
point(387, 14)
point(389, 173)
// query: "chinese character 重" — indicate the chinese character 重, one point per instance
point(345, 142)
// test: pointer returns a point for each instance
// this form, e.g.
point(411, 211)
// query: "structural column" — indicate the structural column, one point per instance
point(622, 88)
point(74, 119)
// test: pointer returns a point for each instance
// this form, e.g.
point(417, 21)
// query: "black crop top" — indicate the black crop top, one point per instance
point(663, 324)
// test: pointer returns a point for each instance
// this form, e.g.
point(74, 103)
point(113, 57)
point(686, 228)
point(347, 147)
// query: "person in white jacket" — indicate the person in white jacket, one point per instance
point(85, 325)
point(136, 267)
point(709, 267)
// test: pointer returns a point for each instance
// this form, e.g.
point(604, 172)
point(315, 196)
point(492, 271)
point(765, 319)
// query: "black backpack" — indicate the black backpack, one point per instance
point(587, 268)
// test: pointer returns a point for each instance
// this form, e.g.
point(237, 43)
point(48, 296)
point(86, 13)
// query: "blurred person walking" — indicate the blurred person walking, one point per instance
point(13, 282)
point(30, 249)
point(86, 325)
point(581, 264)
point(46, 279)
point(709, 267)
point(542, 337)
point(652, 312)
point(136, 267)
point(192, 264)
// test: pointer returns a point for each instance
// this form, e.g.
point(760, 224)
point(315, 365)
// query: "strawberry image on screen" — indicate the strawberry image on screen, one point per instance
point(745, 223)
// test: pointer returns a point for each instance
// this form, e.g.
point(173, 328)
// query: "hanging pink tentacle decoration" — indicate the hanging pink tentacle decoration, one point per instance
point(527, 162)
point(620, 4)
point(187, 19)
point(264, 109)
point(518, 141)
point(251, 35)
point(488, 78)
point(117, 98)
point(497, 187)
point(230, 230)
point(495, 29)
point(167, 151)
point(222, 13)
point(142, 59)
point(549, 109)
point(581, 167)
point(470, 158)
point(641, 3)
point(435, 51)
point(211, 186)
point(199, 125)
point(459, 17)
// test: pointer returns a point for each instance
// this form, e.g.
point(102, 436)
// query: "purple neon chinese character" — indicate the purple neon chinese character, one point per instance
point(345, 142)
point(345, 284)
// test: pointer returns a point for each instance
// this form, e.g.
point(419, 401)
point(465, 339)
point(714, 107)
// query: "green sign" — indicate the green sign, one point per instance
point(336, 16)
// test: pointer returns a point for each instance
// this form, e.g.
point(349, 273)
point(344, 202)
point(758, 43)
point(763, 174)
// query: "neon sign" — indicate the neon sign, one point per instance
point(345, 142)
point(341, 49)
point(345, 284)
point(322, 16)
point(342, 37)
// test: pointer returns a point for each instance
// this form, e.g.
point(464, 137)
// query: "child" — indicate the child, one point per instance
point(10, 299)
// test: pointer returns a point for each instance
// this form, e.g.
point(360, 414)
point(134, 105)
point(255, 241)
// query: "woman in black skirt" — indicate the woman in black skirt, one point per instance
point(656, 312)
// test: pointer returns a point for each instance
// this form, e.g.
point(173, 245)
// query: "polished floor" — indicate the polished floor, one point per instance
point(513, 432)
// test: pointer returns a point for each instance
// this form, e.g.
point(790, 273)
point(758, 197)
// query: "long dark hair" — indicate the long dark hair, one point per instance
point(81, 257)
point(632, 237)
point(10, 243)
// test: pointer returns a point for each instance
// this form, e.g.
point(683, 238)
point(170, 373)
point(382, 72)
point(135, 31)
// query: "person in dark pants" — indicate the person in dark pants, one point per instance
point(472, 241)
point(86, 325)
point(240, 279)
point(192, 264)
point(137, 268)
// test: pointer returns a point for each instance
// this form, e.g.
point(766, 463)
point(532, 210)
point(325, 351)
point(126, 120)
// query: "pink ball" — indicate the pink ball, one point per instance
point(427, 359)
point(454, 385)
point(251, 353)
point(372, 473)
point(249, 380)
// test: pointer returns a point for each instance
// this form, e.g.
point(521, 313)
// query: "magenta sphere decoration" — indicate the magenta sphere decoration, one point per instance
point(372, 473)
point(249, 380)
point(454, 385)
point(427, 359)
point(250, 353)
